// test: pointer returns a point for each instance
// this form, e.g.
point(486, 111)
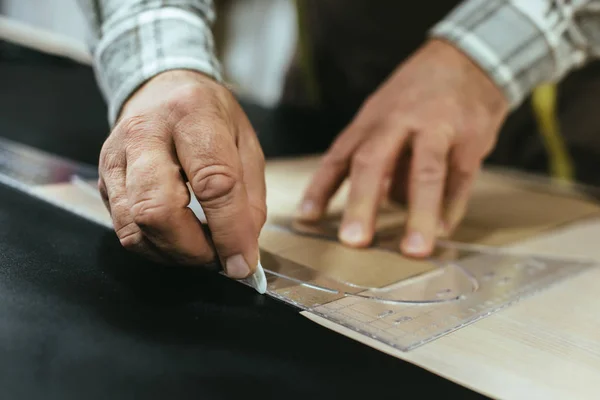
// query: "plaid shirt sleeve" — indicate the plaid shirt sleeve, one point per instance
point(138, 39)
point(523, 43)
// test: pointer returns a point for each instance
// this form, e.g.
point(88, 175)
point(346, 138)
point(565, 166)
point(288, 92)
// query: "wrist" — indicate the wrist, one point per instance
point(180, 76)
point(490, 92)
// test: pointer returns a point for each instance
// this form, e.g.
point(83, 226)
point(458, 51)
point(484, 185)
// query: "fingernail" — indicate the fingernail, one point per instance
point(353, 233)
point(415, 243)
point(236, 267)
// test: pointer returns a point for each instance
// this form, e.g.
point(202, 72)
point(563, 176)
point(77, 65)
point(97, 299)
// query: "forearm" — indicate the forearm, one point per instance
point(137, 39)
point(523, 43)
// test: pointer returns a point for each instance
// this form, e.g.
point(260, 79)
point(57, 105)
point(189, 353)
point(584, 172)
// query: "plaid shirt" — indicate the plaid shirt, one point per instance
point(519, 43)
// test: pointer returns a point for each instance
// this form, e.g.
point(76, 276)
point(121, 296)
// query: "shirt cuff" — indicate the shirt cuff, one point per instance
point(139, 47)
point(520, 44)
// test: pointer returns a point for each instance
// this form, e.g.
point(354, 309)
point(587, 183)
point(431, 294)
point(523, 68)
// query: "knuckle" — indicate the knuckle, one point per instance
point(149, 213)
point(429, 173)
point(334, 159)
point(130, 236)
point(214, 183)
point(364, 159)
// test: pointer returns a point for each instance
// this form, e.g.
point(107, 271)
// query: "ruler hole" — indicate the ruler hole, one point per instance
point(402, 320)
point(488, 275)
point(385, 313)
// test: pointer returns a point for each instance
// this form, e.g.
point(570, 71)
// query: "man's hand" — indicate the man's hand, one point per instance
point(438, 108)
point(182, 127)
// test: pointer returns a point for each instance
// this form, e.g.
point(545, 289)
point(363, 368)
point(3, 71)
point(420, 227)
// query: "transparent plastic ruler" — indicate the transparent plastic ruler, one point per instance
point(31, 166)
point(26, 168)
point(405, 315)
point(408, 326)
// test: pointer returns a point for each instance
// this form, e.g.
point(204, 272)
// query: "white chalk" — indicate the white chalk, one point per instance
point(258, 280)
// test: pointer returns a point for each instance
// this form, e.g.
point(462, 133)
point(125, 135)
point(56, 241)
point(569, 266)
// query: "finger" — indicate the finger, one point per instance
point(370, 178)
point(158, 200)
point(209, 156)
point(427, 181)
point(252, 161)
point(461, 177)
point(113, 191)
point(399, 188)
point(331, 173)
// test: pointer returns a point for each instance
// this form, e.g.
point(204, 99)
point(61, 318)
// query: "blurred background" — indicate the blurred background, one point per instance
point(255, 38)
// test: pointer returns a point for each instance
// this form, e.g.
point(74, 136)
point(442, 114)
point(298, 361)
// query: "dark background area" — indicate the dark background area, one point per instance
point(55, 104)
